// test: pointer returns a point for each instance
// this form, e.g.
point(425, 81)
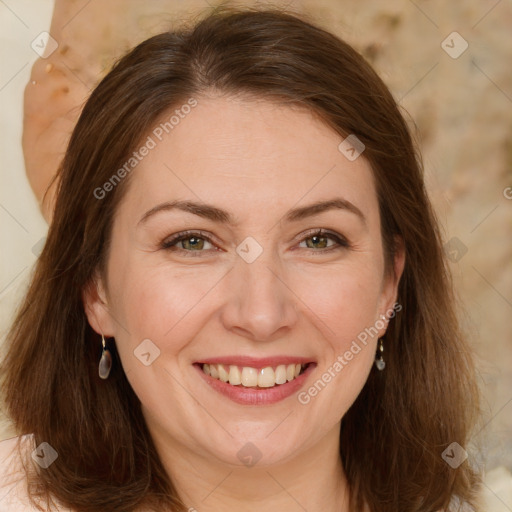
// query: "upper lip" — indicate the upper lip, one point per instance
point(255, 362)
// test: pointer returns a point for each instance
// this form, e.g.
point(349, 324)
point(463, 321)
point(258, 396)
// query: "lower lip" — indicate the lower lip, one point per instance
point(263, 396)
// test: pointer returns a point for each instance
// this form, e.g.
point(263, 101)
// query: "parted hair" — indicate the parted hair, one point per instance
point(393, 435)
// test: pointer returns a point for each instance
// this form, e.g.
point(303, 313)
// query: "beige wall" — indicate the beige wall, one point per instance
point(462, 106)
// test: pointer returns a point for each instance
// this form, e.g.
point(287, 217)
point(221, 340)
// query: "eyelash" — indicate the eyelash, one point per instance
point(341, 241)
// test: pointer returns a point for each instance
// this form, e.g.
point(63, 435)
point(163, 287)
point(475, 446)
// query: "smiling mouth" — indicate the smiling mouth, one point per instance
point(249, 377)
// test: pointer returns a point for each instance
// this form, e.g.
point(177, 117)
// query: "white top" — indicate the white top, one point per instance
point(13, 489)
point(13, 482)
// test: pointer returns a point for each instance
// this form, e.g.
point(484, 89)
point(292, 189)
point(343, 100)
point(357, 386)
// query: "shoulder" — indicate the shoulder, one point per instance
point(13, 486)
point(15, 458)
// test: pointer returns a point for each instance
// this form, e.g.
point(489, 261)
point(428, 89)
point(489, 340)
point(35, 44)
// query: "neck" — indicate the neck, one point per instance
point(313, 480)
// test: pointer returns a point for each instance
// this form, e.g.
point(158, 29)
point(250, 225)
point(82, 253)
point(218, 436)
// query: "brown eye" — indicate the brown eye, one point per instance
point(188, 242)
point(323, 240)
point(193, 243)
point(317, 242)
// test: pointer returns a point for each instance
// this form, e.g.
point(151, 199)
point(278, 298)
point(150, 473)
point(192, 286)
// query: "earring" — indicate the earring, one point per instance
point(105, 362)
point(379, 360)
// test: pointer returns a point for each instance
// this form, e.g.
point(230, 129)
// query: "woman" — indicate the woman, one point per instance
point(242, 301)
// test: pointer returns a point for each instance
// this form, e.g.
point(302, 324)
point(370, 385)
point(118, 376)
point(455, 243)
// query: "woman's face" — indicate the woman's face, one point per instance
point(247, 282)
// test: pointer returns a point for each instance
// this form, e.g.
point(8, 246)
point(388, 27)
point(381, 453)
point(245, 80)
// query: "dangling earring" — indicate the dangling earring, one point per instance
point(105, 362)
point(379, 360)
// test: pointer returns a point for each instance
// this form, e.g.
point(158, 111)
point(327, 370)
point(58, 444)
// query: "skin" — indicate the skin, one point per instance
point(256, 160)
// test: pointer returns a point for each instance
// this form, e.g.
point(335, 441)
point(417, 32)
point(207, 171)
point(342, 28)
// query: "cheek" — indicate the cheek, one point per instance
point(160, 303)
point(161, 311)
point(169, 305)
point(344, 306)
point(344, 297)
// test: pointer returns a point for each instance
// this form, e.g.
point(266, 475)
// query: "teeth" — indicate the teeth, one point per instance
point(281, 374)
point(223, 373)
point(250, 377)
point(234, 375)
point(266, 378)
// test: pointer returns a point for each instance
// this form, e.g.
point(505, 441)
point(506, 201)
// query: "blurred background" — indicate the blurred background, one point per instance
point(448, 64)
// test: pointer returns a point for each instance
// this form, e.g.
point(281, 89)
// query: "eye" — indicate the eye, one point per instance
point(188, 241)
point(318, 240)
point(323, 240)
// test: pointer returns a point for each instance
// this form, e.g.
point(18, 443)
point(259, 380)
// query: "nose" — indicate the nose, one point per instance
point(260, 305)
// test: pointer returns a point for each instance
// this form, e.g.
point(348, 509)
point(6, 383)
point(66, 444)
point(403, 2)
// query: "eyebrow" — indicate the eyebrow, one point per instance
point(218, 215)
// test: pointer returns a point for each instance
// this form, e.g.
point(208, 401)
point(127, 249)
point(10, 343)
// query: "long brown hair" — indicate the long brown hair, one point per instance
point(393, 436)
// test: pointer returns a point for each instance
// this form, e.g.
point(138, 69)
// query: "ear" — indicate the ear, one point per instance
point(389, 293)
point(96, 307)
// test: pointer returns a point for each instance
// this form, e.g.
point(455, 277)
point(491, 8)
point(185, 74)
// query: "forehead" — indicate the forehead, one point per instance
point(246, 153)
